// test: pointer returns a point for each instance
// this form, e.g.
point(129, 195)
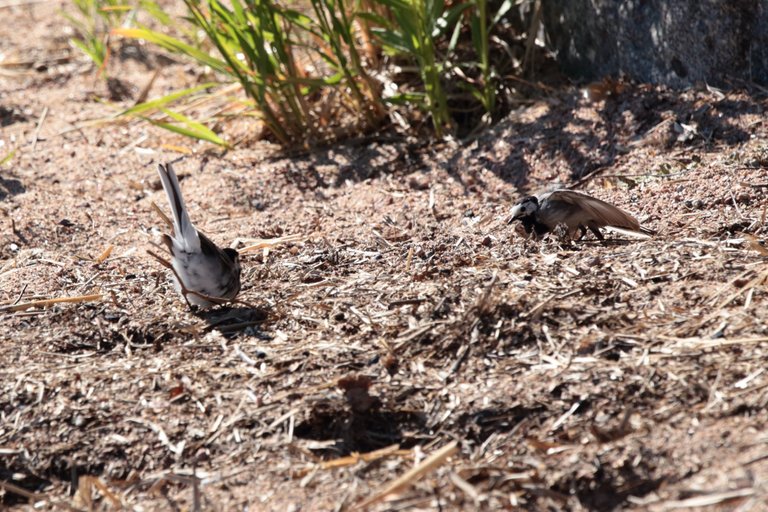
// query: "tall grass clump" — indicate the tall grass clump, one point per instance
point(450, 45)
point(410, 28)
point(93, 20)
point(314, 70)
point(301, 72)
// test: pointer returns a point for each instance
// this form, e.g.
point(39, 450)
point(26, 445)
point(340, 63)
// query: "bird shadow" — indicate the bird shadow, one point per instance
point(237, 319)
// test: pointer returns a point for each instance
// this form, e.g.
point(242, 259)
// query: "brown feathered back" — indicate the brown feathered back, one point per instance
point(575, 209)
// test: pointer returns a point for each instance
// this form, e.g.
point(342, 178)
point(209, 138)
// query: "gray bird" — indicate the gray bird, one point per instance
point(203, 273)
point(575, 210)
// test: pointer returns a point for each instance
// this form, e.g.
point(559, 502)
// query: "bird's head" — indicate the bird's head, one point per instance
point(234, 257)
point(526, 208)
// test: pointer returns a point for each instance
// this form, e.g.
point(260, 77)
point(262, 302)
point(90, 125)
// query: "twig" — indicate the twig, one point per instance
point(709, 499)
point(161, 214)
point(365, 457)
point(142, 97)
point(105, 254)
point(195, 479)
point(49, 302)
point(267, 243)
point(405, 302)
point(19, 3)
point(413, 474)
point(20, 294)
point(537, 308)
point(17, 233)
point(735, 203)
point(20, 491)
point(39, 126)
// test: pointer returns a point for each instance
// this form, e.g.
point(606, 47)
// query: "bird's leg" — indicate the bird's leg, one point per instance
point(162, 261)
point(583, 231)
point(184, 294)
point(183, 288)
point(597, 233)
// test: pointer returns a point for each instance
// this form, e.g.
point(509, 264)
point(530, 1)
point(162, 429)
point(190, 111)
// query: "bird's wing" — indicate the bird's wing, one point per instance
point(209, 248)
point(230, 269)
point(184, 231)
point(597, 210)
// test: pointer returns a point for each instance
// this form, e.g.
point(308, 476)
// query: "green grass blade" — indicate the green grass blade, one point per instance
point(7, 158)
point(165, 100)
point(188, 128)
point(174, 45)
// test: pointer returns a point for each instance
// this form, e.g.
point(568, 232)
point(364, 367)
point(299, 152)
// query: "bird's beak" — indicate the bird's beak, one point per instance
point(517, 212)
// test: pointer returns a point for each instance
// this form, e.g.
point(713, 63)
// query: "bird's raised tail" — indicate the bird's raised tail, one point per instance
point(184, 233)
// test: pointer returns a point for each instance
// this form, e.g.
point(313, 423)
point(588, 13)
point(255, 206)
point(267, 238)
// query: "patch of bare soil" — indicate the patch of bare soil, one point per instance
point(408, 315)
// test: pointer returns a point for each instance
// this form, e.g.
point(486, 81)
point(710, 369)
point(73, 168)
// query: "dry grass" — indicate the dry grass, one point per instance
point(408, 349)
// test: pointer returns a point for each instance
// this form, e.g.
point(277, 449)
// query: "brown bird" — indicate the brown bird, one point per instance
point(575, 210)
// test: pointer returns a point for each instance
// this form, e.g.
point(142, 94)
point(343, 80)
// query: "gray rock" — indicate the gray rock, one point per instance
point(672, 42)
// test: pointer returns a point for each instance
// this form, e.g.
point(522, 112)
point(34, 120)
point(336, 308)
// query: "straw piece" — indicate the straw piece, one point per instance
point(49, 302)
point(267, 243)
point(365, 457)
point(412, 475)
point(104, 255)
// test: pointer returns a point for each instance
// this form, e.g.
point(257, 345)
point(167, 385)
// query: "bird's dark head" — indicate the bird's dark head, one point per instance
point(234, 256)
point(526, 208)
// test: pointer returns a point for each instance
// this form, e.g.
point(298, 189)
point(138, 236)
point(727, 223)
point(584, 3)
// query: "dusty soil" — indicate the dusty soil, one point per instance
point(408, 314)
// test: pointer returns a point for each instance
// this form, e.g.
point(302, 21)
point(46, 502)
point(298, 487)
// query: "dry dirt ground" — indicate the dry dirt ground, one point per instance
point(405, 317)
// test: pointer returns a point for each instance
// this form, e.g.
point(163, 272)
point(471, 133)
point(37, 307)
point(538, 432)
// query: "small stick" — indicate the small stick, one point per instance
point(104, 255)
point(39, 126)
point(267, 243)
point(17, 233)
point(20, 294)
point(405, 302)
point(161, 214)
point(49, 302)
point(145, 91)
point(408, 260)
point(365, 457)
point(735, 203)
point(19, 3)
point(20, 491)
point(413, 474)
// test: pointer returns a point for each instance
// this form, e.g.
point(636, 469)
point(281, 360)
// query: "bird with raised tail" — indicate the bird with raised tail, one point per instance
point(203, 273)
point(542, 213)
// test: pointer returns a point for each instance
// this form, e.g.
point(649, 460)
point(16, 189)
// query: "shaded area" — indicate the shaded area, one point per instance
point(576, 136)
point(10, 187)
point(577, 377)
point(358, 432)
point(677, 42)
